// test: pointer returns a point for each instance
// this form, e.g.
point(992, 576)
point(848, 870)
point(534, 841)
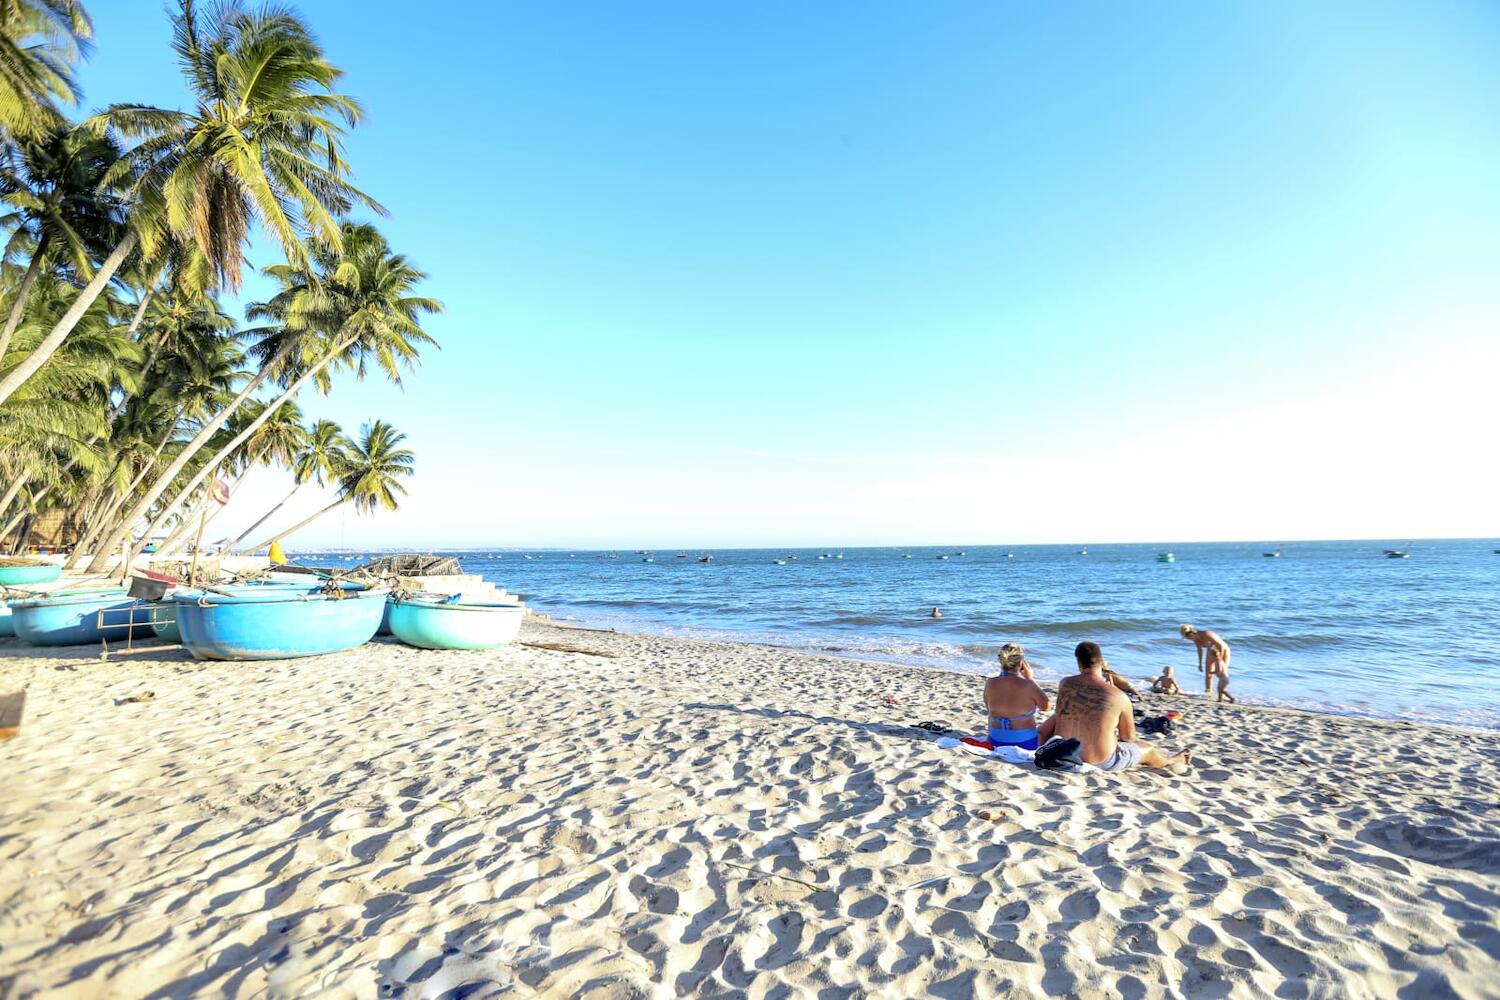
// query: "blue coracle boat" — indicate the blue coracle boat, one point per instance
point(20, 576)
point(7, 621)
point(79, 617)
point(164, 612)
point(432, 623)
point(275, 623)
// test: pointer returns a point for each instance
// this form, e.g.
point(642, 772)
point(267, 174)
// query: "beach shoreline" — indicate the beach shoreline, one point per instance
point(617, 814)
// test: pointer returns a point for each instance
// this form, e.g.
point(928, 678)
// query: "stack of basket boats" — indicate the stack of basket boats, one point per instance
point(278, 617)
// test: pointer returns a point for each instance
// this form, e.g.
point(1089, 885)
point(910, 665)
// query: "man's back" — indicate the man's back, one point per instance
point(1095, 713)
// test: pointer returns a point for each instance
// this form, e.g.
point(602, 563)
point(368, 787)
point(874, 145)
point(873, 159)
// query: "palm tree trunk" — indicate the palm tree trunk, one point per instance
point(178, 538)
point(11, 526)
point(292, 531)
point(59, 333)
point(264, 517)
point(20, 483)
point(18, 309)
point(180, 462)
point(265, 415)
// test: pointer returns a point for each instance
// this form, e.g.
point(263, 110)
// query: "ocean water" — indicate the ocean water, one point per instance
point(1333, 626)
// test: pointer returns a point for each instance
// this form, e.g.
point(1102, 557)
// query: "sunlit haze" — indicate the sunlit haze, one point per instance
point(845, 274)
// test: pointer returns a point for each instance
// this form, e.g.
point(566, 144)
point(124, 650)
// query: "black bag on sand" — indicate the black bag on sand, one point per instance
point(1058, 754)
point(1157, 725)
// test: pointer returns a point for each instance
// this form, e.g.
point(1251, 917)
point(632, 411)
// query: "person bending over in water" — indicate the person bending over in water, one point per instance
point(1094, 712)
point(1213, 659)
point(1166, 683)
point(1012, 700)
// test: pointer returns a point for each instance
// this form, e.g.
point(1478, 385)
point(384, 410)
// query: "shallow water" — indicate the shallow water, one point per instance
point(1334, 626)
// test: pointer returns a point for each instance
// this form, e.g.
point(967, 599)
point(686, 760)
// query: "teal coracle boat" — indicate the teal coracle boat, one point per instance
point(275, 623)
point(164, 612)
point(20, 576)
point(7, 622)
point(78, 617)
point(431, 623)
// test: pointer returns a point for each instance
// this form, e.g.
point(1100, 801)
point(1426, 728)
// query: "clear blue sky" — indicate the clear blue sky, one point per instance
point(849, 273)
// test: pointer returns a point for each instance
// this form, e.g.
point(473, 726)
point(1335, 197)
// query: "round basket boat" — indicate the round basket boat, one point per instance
point(19, 576)
point(432, 624)
point(275, 623)
point(77, 617)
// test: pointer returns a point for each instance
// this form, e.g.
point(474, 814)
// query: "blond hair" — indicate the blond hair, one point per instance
point(1187, 630)
point(1011, 657)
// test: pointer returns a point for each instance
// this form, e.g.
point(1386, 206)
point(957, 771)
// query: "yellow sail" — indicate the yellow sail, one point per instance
point(278, 557)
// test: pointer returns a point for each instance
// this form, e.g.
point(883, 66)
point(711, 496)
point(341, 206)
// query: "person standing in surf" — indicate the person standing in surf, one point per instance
point(1213, 659)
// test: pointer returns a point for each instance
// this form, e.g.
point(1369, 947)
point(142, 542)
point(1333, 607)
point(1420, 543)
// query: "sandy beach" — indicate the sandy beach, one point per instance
point(641, 817)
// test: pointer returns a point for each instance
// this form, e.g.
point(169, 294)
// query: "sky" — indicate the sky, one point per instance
point(889, 273)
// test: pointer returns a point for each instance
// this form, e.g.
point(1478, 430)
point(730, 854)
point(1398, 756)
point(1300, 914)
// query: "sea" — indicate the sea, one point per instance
point(1331, 626)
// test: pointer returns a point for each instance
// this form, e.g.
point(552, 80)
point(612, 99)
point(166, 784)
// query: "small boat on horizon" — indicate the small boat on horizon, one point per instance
point(1399, 553)
point(1083, 551)
point(781, 562)
point(706, 559)
point(1272, 555)
point(1165, 557)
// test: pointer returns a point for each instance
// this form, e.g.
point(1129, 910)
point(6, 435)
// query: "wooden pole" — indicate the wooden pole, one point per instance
point(197, 545)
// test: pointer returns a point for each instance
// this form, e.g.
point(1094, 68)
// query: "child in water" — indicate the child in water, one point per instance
point(1166, 683)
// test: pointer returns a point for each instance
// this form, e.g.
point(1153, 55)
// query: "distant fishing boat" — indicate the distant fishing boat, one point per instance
point(781, 562)
point(682, 555)
point(647, 559)
point(1399, 553)
point(908, 555)
point(823, 555)
point(1083, 551)
point(943, 556)
point(960, 553)
point(1165, 557)
point(705, 559)
point(839, 556)
point(1010, 555)
point(275, 623)
point(1272, 555)
point(432, 622)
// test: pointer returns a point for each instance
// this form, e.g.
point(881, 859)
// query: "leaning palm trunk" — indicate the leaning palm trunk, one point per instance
point(263, 518)
point(59, 333)
point(169, 474)
point(20, 484)
point(135, 323)
point(292, 531)
point(18, 308)
point(178, 538)
point(266, 414)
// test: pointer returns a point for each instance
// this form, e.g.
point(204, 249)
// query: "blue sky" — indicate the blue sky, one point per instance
point(867, 273)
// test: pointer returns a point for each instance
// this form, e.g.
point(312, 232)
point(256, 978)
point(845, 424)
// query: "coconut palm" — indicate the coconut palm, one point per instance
point(352, 309)
point(40, 41)
point(322, 454)
point(57, 209)
point(263, 143)
point(369, 475)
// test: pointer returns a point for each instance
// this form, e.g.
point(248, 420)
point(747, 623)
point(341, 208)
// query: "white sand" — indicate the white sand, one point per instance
point(688, 818)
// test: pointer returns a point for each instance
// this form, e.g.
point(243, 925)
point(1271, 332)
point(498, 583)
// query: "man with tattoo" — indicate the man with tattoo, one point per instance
point(1094, 712)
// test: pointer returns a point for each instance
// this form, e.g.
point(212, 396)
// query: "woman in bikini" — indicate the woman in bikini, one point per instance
point(1012, 700)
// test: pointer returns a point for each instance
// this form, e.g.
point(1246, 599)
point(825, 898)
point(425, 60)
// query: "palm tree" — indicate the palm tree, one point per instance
point(263, 143)
point(369, 475)
point(321, 456)
point(352, 309)
point(277, 441)
point(57, 209)
point(40, 41)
